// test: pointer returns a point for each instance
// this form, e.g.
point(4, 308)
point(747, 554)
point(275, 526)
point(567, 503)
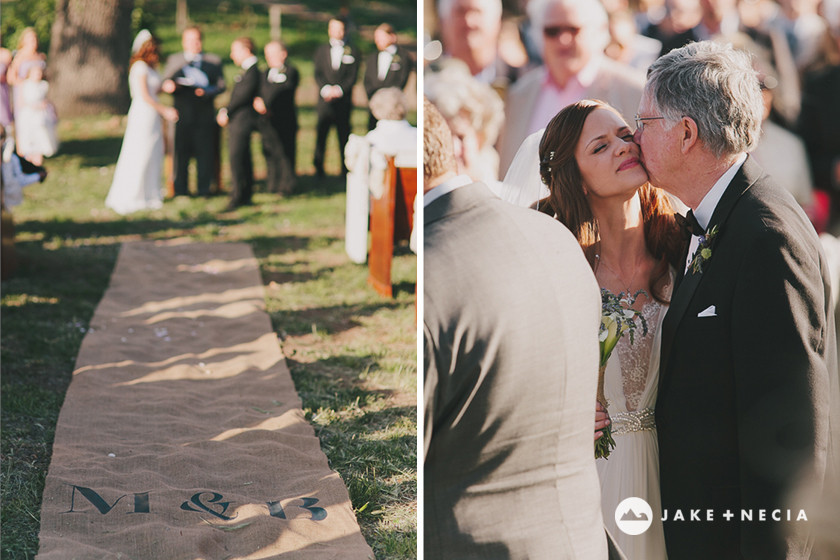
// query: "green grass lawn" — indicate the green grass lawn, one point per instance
point(352, 354)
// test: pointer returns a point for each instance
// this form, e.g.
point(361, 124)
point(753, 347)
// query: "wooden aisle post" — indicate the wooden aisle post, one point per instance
point(391, 220)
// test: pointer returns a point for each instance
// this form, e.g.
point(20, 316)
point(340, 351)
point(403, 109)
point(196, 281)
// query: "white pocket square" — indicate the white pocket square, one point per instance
point(708, 312)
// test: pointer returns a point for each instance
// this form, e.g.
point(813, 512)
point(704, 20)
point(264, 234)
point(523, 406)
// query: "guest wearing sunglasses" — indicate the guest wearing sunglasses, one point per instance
point(572, 38)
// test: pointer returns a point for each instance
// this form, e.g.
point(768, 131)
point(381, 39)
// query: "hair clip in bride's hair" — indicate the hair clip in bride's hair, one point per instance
point(550, 156)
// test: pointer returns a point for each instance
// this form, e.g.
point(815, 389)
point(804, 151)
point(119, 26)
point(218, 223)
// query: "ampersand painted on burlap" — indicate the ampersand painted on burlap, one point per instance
point(215, 499)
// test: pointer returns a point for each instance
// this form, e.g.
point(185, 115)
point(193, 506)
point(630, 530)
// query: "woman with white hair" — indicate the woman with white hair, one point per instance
point(473, 111)
point(137, 179)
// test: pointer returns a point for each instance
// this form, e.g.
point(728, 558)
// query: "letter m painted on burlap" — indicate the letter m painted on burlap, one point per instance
point(141, 501)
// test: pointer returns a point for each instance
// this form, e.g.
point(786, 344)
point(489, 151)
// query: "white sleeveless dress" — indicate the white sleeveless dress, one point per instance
point(137, 178)
point(632, 469)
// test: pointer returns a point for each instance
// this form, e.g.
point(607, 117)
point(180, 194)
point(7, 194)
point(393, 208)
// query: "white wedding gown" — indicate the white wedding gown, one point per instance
point(630, 384)
point(137, 178)
point(632, 469)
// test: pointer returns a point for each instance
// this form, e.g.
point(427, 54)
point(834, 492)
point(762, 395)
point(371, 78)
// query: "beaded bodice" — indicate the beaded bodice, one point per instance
point(634, 358)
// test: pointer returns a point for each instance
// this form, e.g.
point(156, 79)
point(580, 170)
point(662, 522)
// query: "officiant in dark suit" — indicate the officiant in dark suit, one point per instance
point(194, 78)
point(748, 360)
point(336, 70)
point(278, 124)
point(241, 119)
point(389, 66)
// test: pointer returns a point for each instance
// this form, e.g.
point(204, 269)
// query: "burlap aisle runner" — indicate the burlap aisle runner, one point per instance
point(182, 436)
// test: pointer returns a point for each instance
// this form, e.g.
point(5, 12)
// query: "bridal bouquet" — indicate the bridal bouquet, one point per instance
point(617, 317)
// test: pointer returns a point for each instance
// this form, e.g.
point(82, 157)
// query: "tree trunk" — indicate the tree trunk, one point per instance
point(89, 52)
point(182, 15)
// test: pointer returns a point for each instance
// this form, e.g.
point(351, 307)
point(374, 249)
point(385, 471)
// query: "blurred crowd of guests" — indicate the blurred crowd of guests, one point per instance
point(27, 118)
point(533, 57)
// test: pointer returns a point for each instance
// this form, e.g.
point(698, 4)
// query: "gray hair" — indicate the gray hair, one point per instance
point(594, 15)
point(715, 85)
point(387, 104)
point(444, 8)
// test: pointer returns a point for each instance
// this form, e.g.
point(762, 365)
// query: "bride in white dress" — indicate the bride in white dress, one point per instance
point(137, 178)
point(593, 182)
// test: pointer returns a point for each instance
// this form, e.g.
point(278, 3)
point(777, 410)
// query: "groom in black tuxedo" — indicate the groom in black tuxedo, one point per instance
point(241, 119)
point(336, 70)
point(389, 66)
point(748, 343)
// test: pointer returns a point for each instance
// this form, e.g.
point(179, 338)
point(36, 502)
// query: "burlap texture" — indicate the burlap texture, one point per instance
point(181, 435)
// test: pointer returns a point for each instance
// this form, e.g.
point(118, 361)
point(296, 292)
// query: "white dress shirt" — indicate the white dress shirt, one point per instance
point(248, 62)
point(707, 206)
point(336, 52)
point(383, 62)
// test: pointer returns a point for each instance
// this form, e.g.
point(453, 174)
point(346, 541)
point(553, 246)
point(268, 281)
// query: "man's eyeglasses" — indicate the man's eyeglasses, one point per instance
point(554, 31)
point(640, 121)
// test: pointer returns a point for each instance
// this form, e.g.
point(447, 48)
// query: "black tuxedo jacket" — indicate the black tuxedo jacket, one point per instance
point(189, 105)
point(245, 88)
point(398, 72)
point(279, 96)
point(743, 400)
point(345, 76)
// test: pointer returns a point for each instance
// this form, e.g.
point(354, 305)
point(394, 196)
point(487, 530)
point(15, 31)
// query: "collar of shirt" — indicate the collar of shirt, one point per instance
point(336, 44)
point(445, 188)
point(248, 62)
point(190, 57)
point(707, 206)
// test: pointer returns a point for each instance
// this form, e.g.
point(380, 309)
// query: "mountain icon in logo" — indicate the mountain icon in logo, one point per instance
point(631, 515)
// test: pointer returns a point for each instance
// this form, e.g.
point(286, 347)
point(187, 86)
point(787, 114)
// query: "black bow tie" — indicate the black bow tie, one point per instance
point(690, 224)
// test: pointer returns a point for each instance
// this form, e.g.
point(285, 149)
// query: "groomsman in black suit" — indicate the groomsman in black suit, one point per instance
point(336, 70)
point(241, 119)
point(748, 368)
point(389, 66)
point(194, 78)
point(278, 123)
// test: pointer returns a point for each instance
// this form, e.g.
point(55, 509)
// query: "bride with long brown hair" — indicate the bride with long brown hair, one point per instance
point(631, 238)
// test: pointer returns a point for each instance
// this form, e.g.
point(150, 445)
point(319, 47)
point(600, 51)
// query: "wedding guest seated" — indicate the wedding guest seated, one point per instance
point(473, 111)
point(366, 160)
point(573, 35)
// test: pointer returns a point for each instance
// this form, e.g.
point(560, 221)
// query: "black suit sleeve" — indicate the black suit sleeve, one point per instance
point(781, 382)
point(244, 91)
point(371, 73)
point(349, 71)
point(322, 65)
